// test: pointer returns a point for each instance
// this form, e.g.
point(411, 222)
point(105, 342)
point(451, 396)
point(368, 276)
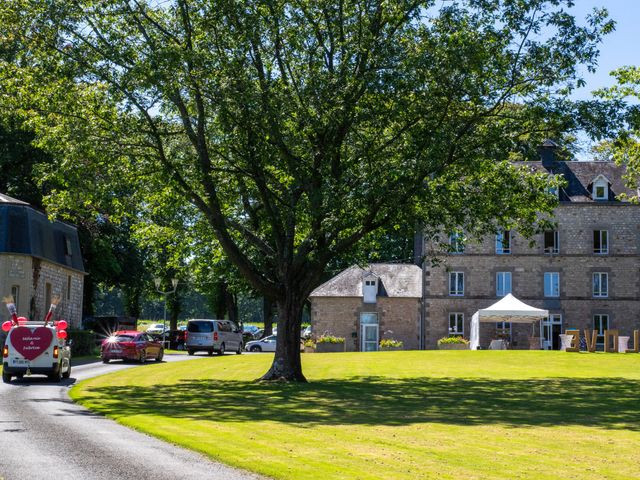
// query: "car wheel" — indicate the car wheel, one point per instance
point(209, 352)
point(105, 360)
point(160, 355)
point(67, 374)
point(191, 352)
point(6, 378)
point(56, 377)
point(221, 351)
point(143, 356)
point(239, 350)
point(255, 348)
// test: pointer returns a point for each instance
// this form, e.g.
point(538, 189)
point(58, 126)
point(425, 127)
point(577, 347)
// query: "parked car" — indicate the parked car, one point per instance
point(156, 329)
point(266, 344)
point(213, 336)
point(131, 345)
point(250, 332)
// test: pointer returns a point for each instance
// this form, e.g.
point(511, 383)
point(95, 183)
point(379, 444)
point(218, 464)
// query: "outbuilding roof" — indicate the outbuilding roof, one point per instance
point(395, 280)
point(27, 231)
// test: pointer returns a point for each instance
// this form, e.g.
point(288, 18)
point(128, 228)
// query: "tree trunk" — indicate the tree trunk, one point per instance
point(231, 303)
point(287, 364)
point(267, 316)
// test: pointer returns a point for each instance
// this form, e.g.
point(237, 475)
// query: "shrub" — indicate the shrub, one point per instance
point(329, 339)
point(390, 343)
point(454, 340)
point(84, 342)
point(309, 343)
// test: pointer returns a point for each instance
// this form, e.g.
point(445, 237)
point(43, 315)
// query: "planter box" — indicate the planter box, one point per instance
point(453, 346)
point(389, 349)
point(309, 350)
point(329, 347)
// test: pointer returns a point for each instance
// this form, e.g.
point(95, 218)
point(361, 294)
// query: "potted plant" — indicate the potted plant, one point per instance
point(389, 344)
point(453, 343)
point(329, 343)
point(309, 346)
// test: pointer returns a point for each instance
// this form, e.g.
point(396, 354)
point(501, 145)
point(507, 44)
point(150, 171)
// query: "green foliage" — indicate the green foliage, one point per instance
point(391, 343)
point(84, 342)
point(329, 339)
point(310, 343)
point(285, 133)
point(624, 147)
point(452, 340)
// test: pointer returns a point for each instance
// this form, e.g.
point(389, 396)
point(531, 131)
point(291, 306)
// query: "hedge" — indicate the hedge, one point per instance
point(84, 342)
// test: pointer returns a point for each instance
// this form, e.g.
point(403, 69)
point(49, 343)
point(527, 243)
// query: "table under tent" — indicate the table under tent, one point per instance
point(507, 309)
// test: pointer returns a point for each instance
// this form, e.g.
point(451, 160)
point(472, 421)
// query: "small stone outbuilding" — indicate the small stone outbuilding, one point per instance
point(38, 260)
point(366, 305)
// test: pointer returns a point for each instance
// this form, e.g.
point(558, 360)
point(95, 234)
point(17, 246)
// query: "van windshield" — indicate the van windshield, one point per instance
point(200, 327)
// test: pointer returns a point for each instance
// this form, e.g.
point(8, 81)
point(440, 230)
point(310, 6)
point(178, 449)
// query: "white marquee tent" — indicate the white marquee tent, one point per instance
point(507, 309)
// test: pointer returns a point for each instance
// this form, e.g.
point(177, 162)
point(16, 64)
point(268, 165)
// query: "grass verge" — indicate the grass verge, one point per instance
point(400, 415)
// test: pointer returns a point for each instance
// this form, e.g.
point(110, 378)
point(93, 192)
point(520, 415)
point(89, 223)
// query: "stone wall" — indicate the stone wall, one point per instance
point(399, 318)
point(32, 275)
point(575, 263)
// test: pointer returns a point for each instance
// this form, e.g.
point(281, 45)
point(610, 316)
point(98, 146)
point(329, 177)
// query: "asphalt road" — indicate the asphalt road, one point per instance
point(44, 435)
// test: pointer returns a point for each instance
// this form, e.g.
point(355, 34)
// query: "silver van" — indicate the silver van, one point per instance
point(210, 336)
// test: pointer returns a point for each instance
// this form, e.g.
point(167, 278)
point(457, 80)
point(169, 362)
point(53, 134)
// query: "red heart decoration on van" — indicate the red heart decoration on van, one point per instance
point(31, 343)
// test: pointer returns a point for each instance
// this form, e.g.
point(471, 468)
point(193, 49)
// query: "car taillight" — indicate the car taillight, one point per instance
point(5, 351)
point(55, 351)
point(215, 336)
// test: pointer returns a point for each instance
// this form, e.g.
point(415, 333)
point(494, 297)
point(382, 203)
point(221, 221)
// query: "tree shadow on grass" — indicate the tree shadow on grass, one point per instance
point(599, 402)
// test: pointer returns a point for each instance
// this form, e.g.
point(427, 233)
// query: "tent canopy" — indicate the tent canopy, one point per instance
point(507, 309)
point(510, 309)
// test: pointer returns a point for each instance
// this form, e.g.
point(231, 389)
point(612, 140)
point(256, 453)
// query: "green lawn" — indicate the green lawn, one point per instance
point(394, 415)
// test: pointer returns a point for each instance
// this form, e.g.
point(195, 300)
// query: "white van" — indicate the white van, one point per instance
point(213, 336)
point(33, 348)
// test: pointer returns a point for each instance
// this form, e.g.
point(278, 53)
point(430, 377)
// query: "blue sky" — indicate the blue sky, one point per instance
point(622, 47)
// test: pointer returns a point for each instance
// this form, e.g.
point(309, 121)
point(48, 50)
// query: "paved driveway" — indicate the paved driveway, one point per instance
point(43, 434)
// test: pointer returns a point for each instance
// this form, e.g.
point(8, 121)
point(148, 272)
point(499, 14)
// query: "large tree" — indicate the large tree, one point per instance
point(297, 128)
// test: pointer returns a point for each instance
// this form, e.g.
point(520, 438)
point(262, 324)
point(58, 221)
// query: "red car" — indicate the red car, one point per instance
point(131, 345)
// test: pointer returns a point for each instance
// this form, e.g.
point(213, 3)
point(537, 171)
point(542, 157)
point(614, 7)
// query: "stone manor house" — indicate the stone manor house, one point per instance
point(586, 273)
point(39, 259)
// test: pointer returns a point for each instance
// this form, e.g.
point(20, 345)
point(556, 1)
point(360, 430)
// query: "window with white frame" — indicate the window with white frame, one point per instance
point(456, 324)
point(503, 283)
point(503, 330)
point(600, 242)
point(600, 189)
point(551, 284)
point(456, 283)
point(456, 242)
point(551, 242)
point(503, 242)
point(600, 284)
point(600, 324)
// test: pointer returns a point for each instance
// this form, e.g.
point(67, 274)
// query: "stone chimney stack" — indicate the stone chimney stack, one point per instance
point(547, 153)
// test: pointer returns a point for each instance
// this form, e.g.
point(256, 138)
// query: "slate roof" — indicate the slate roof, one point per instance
point(580, 175)
point(7, 199)
point(25, 230)
point(395, 280)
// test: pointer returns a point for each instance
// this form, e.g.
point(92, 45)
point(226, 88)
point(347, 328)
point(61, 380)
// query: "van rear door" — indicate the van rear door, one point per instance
point(200, 333)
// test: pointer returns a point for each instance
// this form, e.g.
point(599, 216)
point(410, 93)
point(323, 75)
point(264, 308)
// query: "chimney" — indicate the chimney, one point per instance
point(547, 153)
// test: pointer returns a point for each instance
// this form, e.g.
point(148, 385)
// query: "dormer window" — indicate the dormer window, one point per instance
point(600, 189)
point(370, 289)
